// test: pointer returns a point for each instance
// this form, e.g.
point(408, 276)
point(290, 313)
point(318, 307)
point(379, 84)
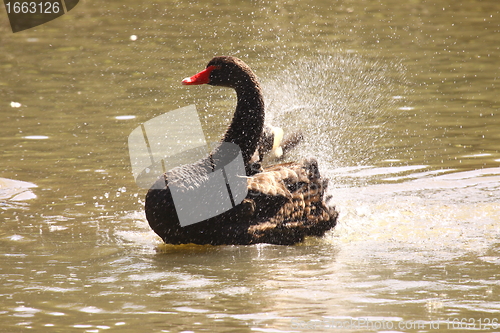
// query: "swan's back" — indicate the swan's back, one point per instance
point(296, 192)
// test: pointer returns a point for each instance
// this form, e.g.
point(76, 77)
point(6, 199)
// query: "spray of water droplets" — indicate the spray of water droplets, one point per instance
point(341, 103)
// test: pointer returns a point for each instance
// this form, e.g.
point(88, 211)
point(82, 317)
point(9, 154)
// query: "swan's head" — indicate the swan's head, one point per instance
point(223, 71)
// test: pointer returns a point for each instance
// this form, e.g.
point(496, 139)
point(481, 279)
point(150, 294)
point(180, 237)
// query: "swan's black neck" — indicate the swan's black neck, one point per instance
point(248, 120)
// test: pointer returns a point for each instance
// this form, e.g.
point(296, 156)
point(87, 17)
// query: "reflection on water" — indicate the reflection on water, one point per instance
point(398, 101)
point(14, 192)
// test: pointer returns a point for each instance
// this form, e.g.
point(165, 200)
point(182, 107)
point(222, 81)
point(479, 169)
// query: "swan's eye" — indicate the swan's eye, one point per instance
point(212, 67)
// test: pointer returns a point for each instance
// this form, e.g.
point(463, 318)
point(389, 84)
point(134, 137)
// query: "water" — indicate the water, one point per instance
point(397, 101)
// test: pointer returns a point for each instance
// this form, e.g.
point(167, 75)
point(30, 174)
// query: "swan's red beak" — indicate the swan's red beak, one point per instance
point(200, 78)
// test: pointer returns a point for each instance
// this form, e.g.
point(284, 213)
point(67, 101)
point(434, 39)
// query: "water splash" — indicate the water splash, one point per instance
point(342, 103)
point(346, 105)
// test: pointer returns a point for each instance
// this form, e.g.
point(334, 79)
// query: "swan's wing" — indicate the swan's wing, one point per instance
point(273, 145)
point(304, 212)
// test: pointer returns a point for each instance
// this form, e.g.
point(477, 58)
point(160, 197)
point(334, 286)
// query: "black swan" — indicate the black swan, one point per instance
point(284, 203)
